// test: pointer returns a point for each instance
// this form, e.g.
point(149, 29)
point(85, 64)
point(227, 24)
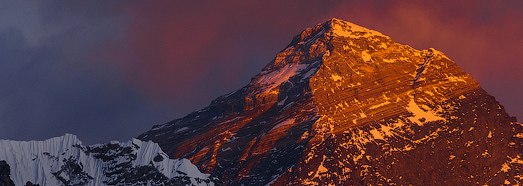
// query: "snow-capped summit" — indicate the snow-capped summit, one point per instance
point(65, 161)
point(351, 30)
point(346, 105)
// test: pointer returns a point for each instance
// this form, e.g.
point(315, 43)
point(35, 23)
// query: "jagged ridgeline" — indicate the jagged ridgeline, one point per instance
point(65, 161)
point(345, 105)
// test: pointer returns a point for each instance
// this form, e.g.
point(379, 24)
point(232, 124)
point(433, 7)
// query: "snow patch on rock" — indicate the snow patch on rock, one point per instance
point(272, 79)
point(420, 116)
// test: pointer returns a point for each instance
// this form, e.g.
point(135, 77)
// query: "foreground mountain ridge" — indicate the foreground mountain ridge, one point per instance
point(65, 161)
point(345, 105)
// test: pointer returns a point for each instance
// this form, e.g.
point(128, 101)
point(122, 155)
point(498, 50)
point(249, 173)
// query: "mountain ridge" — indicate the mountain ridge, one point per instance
point(342, 104)
point(65, 161)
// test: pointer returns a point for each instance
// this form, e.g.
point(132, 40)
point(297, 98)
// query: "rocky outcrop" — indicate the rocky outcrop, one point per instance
point(5, 174)
point(345, 105)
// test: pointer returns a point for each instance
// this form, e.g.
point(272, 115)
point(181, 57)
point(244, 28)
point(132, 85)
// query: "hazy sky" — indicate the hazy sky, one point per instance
point(108, 70)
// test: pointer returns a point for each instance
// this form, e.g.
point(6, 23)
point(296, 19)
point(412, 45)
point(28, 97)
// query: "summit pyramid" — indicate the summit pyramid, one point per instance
point(346, 105)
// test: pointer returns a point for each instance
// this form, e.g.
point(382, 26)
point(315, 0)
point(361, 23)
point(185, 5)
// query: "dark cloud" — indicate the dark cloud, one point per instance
point(109, 70)
point(188, 53)
point(183, 52)
point(50, 85)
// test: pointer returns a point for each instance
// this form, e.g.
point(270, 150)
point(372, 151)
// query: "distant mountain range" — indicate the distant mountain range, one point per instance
point(65, 161)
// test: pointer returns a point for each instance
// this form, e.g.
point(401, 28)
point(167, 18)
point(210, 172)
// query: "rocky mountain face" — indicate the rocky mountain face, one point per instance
point(345, 105)
point(65, 161)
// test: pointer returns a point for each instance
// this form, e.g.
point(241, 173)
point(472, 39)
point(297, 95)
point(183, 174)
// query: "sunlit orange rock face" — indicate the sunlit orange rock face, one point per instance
point(345, 105)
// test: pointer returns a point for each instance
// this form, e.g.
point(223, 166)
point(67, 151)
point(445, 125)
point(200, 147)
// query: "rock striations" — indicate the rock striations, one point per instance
point(345, 105)
point(65, 161)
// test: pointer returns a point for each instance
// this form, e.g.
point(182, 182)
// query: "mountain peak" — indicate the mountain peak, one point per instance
point(347, 29)
point(346, 105)
point(335, 28)
point(340, 43)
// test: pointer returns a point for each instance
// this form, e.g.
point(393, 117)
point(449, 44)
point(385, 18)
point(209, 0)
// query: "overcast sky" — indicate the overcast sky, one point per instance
point(109, 70)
